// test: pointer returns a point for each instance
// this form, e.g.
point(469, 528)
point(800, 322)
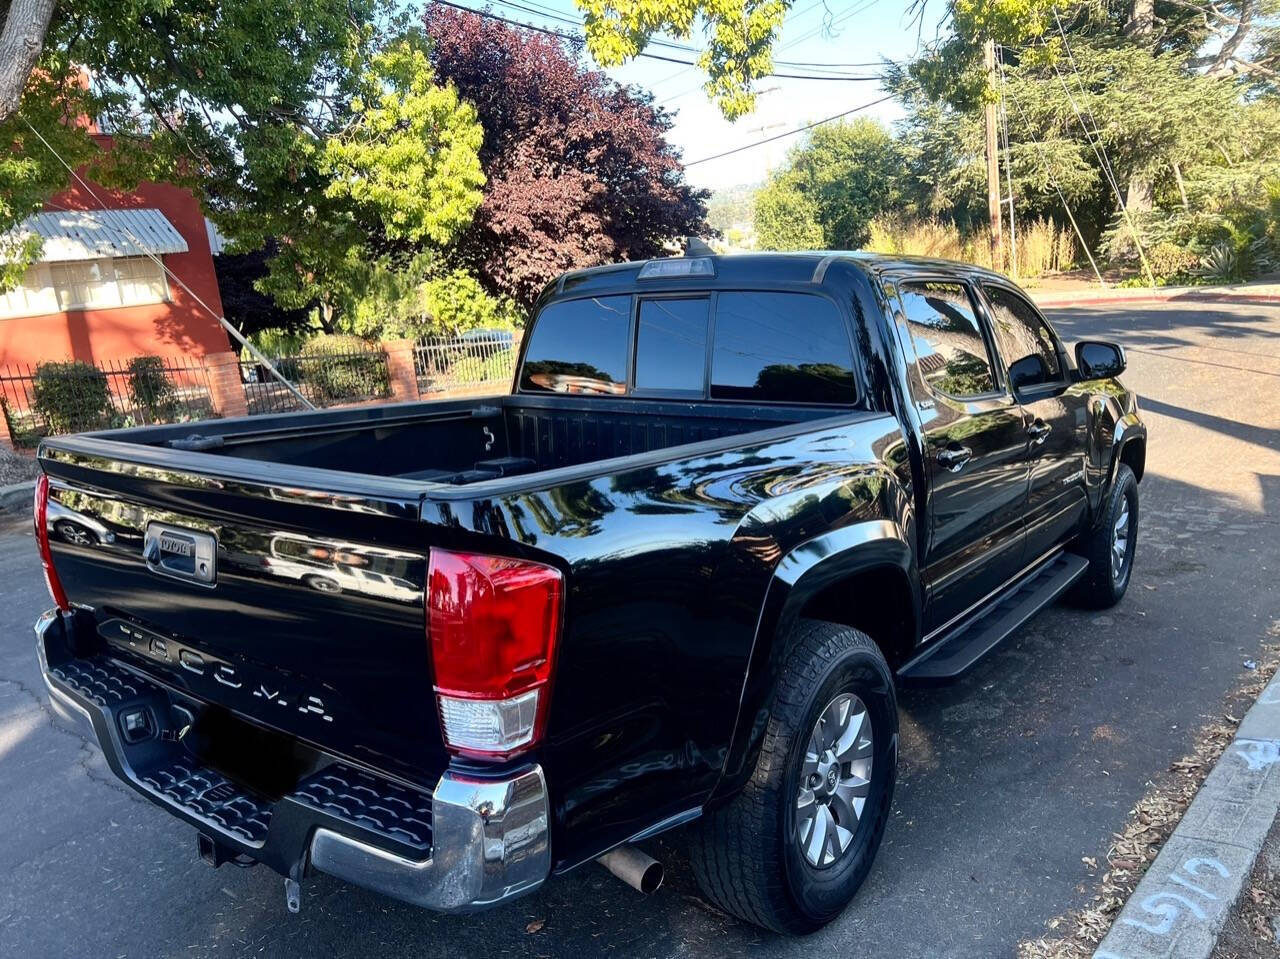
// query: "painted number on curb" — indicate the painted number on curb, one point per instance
point(1166, 906)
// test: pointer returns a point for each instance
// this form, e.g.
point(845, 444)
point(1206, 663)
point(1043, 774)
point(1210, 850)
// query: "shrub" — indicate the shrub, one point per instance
point(71, 397)
point(1221, 264)
point(1171, 262)
point(341, 368)
point(457, 302)
point(1235, 259)
point(149, 388)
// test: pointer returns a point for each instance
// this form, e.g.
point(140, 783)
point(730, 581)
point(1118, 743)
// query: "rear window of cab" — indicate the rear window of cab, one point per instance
point(749, 346)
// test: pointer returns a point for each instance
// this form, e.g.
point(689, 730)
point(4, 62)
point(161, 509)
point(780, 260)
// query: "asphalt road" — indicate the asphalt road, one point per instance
point(1008, 778)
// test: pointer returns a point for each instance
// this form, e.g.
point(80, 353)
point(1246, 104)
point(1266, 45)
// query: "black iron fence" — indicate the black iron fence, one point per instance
point(54, 398)
point(325, 378)
point(479, 358)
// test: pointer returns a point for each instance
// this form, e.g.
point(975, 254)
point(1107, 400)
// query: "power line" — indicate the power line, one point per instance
point(1040, 155)
point(576, 38)
point(781, 136)
point(839, 18)
point(1095, 140)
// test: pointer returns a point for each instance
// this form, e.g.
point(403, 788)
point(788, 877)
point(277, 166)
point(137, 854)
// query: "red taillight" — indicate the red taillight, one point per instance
point(42, 541)
point(492, 624)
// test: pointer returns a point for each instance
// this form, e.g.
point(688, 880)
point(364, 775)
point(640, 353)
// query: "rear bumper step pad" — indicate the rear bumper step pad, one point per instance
point(474, 841)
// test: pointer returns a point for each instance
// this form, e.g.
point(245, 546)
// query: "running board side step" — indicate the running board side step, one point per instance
point(953, 654)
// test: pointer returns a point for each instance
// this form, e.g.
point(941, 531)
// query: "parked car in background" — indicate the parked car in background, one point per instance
point(674, 579)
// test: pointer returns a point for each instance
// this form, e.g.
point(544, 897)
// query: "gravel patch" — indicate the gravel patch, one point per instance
point(17, 467)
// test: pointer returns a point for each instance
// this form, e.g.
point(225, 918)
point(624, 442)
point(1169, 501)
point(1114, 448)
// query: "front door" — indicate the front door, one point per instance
point(1056, 418)
point(975, 448)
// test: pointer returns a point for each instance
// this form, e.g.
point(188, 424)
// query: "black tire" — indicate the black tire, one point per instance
point(745, 854)
point(323, 584)
point(76, 534)
point(1100, 587)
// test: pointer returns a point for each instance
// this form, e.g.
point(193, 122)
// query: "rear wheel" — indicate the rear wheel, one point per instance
point(1109, 547)
point(323, 584)
point(791, 849)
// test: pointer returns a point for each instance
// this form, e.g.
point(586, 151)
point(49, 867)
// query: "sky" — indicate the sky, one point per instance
point(859, 31)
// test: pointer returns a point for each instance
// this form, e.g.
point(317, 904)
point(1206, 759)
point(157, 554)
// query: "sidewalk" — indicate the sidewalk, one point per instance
point(1086, 295)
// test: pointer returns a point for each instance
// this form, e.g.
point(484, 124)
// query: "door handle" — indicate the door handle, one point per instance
point(954, 457)
point(1039, 431)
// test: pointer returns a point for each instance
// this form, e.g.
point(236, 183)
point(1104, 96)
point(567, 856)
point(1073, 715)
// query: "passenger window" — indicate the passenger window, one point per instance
point(1026, 342)
point(949, 346)
point(671, 345)
point(781, 348)
point(579, 346)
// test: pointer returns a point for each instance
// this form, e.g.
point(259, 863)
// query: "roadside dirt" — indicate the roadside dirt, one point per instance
point(1253, 929)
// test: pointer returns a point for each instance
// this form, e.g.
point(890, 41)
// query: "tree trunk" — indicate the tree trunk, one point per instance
point(21, 41)
point(1139, 198)
point(1182, 187)
point(1142, 23)
point(1142, 19)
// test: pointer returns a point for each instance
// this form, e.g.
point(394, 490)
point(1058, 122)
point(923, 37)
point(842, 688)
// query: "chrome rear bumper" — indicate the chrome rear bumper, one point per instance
point(488, 839)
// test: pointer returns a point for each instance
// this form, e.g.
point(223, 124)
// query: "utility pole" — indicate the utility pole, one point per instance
point(993, 160)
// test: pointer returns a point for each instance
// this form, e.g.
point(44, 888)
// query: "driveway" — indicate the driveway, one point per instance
point(1009, 777)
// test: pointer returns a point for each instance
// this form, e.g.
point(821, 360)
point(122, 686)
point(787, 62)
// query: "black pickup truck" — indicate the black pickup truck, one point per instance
point(446, 650)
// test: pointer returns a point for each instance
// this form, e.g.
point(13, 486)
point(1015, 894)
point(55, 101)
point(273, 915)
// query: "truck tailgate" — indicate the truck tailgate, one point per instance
point(297, 608)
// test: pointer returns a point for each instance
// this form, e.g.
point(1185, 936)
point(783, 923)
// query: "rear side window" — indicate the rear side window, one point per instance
point(780, 348)
point(579, 346)
point(949, 346)
point(671, 345)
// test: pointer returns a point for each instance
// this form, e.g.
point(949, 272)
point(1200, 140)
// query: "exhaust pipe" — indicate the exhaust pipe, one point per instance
point(640, 872)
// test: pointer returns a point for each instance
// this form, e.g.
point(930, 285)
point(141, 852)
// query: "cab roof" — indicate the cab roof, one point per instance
point(755, 269)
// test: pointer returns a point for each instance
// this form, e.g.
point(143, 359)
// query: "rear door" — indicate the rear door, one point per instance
point(975, 447)
point(1056, 417)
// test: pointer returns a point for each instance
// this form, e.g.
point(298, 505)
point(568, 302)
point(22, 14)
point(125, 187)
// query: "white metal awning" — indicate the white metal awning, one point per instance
point(90, 234)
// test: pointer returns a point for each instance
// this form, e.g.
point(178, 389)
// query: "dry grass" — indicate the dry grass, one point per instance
point(1043, 247)
point(1150, 822)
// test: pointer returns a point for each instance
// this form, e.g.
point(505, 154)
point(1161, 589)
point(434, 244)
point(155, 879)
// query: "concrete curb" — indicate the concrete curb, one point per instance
point(1183, 294)
point(1183, 901)
point(16, 496)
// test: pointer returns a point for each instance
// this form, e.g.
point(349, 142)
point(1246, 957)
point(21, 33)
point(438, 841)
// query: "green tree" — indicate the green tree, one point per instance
point(397, 181)
point(838, 180)
point(29, 171)
point(740, 36)
point(426, 299)
point(786, 217)
point(317, 126)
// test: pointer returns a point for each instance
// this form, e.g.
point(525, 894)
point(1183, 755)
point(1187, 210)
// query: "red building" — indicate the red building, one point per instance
point(95, 294)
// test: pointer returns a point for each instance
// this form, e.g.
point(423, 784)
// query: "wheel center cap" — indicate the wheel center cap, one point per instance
point(826, 778)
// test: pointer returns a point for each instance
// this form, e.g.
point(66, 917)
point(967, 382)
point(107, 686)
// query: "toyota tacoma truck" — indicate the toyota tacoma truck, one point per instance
point(447, 650)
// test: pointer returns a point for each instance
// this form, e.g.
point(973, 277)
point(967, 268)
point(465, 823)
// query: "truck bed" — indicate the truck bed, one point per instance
point(468, 441)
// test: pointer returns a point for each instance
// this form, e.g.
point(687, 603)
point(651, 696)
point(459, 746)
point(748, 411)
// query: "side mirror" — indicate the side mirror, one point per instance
point(1099, 360)
point(1028, 371)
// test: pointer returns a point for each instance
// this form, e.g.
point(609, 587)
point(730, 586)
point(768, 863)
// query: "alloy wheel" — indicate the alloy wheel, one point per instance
point(835, 780)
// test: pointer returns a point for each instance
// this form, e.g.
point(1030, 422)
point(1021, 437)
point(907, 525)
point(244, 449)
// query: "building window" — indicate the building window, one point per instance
point(140, 280)
point(86, 285)
point(33, 296)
